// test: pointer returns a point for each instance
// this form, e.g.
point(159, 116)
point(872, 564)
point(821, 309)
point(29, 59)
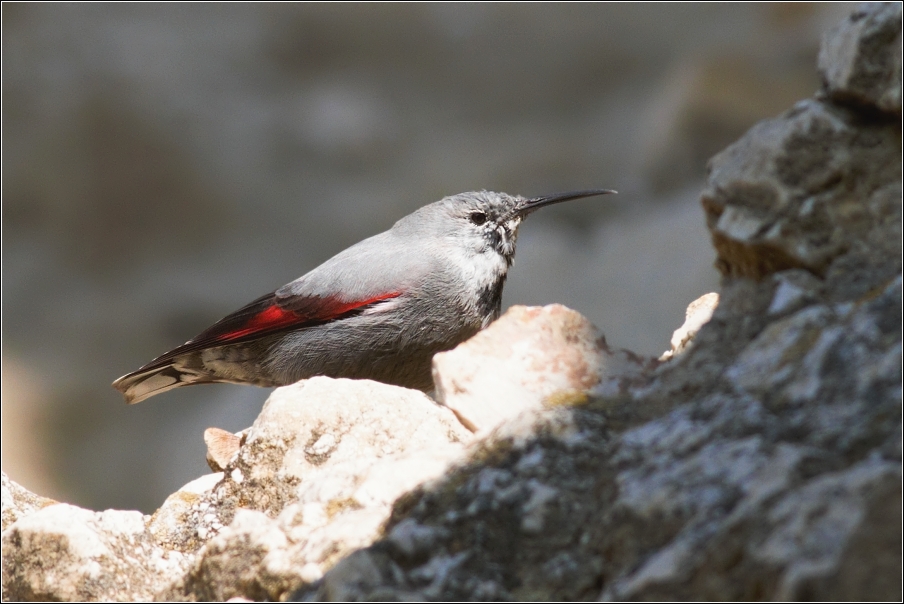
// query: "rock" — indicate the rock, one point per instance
point(247, 559)
point(65, 553)
point(314, 479)
point(779, 481)
point(528, 358)
point(860, 59)
point(308, 430)
point(322, 466)
point(19, 501)
point(698, 313)
point(180, 524)
point(831, 524)
point(794, 289)
point(221, 446)
point(775, 199)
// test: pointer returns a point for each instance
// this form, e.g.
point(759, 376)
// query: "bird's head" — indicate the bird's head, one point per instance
point(485, 221)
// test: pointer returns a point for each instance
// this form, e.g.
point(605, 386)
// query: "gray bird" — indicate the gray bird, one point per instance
point(378, 310)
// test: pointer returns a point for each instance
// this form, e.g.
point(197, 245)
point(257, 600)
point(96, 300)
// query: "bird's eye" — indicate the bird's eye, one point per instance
point(477, 218)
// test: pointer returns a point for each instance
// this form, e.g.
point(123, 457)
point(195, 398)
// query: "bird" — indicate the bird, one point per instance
point(378, 310)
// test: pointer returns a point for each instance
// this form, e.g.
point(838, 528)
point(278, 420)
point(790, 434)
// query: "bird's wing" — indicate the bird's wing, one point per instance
point(348, 284)
point(270, 314)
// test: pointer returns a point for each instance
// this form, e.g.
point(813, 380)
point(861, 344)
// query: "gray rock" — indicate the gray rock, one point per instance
point(779, 482)
point(801, 190)
point(860, 59)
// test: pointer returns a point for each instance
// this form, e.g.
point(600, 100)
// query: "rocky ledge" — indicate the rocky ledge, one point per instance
point(759, 459)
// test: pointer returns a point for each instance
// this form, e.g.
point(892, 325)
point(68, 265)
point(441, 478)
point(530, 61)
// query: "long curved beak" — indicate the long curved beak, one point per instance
point(535, 203)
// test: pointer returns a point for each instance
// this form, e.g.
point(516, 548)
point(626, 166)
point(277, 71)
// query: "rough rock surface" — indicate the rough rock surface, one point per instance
point(18, 501)
point(315, 479)
point(860, 59)
point(529, 358)
point(67, 553)
point(181, 523)
point(698, 314)
point(762, 462)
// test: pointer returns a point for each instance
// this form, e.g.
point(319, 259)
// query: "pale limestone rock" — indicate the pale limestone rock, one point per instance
point(528, 358)
point(308, 430)
point(179, 523)
point(66, 553)
point(19, 501)
point(320, 470)
point(221, 447)
point(247, 559)
point(322, 465)
point(698, 313)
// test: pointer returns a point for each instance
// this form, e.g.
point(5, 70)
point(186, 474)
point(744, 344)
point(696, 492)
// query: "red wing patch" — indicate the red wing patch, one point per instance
point(273, 317)
point(295, 312)
point(268, 315)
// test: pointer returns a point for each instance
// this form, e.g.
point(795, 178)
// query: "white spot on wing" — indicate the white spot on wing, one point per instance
point(382, 306)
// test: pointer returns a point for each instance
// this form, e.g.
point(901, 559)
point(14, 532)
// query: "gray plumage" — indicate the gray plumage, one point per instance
point(378, 310)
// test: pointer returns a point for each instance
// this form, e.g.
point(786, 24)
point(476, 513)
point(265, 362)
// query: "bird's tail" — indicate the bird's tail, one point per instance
point(146, 382)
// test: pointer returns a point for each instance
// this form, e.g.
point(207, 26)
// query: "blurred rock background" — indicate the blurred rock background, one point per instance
point(165, 164)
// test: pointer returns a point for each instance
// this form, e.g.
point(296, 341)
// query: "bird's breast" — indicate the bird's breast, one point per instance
point(478, 280)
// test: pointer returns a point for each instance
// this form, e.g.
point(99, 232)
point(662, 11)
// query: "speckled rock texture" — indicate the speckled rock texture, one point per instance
point(314, 480)
point(66, 553)
point(19, 501)
point(759, 460)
